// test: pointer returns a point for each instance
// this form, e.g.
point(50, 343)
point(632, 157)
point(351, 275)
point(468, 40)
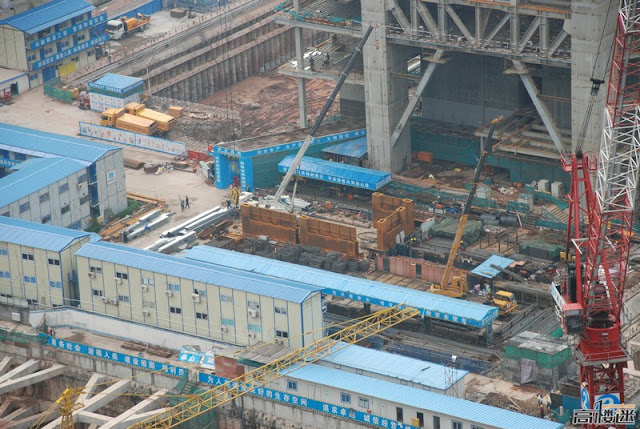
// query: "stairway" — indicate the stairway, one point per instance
point(558, 213)
point(529, 220)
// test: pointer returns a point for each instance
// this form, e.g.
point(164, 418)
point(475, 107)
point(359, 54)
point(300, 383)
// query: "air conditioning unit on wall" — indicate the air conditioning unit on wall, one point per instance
point(144, 288)
point(254, 313)
point(118, 280)
point(105, 299)
point(195, 297)
point(146, 313)
point(169, 293)
point(92, 275)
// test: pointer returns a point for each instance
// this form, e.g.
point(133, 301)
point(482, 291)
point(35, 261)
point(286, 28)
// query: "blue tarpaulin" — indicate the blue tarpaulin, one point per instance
point(335, 172)
point(486, 268)
point(356, 148)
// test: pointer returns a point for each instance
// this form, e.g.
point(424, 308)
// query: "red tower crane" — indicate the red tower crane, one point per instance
point(602, 196)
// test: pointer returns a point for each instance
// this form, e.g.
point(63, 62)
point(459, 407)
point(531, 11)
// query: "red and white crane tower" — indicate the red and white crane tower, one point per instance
point(602, 199)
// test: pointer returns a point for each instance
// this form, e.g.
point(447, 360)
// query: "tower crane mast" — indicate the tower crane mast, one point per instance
point(602, 199)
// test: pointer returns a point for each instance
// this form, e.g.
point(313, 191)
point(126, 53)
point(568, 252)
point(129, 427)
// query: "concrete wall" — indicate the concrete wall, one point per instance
point(471, 90)
point(41, 265)
point(167, 302)
point(12, 48)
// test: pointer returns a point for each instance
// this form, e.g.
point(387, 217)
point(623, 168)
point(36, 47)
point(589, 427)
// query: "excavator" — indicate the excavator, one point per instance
point(458, 286)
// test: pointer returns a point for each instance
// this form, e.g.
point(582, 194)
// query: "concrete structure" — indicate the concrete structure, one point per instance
point(528, 62)
point(38, 263)
point(75, 180)
point(50, 40)
point(197, 298)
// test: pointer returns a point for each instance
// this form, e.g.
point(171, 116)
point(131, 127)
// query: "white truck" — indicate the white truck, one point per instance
point(124, 26)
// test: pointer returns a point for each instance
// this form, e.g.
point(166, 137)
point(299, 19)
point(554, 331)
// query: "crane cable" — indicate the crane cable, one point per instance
point(595, 86)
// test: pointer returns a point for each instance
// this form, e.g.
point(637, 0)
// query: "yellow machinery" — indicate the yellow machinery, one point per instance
point(505, 301)
point(117, 118)
point(164, 122)
point(458, 286)
point(219, 395)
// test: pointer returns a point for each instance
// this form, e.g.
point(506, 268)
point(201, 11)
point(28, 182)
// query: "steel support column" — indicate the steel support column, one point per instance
point(542, 109)
point(413, 102)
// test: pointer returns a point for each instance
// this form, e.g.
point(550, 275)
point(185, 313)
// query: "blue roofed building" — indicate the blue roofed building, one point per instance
point(219, 303)
point(38, 263)
point(367, 291)
point(372, 402)
point(60, 180)
point(404, 370)
point(51, 40)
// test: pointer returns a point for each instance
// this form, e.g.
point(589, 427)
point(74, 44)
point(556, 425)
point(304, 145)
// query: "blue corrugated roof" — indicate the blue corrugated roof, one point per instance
point(48, 145)
point(354, 148)
point(432, 305)
point(198, 271)
point(418, 398)
point(33, 175)
point(397, 366)
point(117, 81)
point(47, 15)
point(335, 172)
point(38, 235)
point(486, 270)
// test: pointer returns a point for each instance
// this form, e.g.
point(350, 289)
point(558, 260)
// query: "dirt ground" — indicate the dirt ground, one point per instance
point(268, 103)
point(33, 109)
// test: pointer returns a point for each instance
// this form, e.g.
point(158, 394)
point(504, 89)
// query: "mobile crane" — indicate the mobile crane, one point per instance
point(589, 297)
point(458, 286)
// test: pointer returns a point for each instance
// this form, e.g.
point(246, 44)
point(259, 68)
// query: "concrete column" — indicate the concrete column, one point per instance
point(386, 96)
point(587, 21)
point(302, 93)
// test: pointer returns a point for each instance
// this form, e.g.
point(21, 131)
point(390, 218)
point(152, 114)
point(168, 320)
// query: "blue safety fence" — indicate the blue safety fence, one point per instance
point(123, 358)
point(146, 9)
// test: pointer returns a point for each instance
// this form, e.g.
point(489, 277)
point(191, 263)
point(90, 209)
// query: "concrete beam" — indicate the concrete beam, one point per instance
point(428, 19)
point(529, 33)
point(557, 42)
point(91, 418)
point(139, 417)
point(90, 387)
point(5, 406)
point(5, 364)
point(123, 420)
point(541, 107)
point(463, 28)
point(29, 367)
point(26, 423)
point(413, 102)
point(353, 32)
point(27, 380)
point(19, 412)
point(98, 401)
point(496, 29)
point(392, 5)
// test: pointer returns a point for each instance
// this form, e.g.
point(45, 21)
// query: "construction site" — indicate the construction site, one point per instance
point(311, 213)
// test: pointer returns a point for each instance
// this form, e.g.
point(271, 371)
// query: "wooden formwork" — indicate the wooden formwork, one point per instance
point(277, 225)
point(389, 227)
point(329, 236)
point(384, 205)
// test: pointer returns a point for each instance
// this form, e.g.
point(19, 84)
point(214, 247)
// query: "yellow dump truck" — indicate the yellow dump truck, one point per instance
point(163, 121)
point(117, 118)
point(505, 301)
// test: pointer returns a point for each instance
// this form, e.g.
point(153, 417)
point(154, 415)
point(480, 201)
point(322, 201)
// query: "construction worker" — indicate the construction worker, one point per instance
point(312, 64)
point(235, 196)
point(327, 59)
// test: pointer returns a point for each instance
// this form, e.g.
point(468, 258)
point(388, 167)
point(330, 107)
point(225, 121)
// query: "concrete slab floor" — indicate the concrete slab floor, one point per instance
point(477, 383)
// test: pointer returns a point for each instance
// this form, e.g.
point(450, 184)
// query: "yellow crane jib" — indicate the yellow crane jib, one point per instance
point(219, 395)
